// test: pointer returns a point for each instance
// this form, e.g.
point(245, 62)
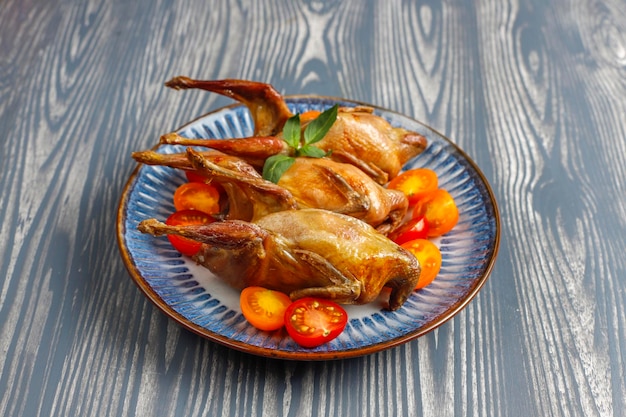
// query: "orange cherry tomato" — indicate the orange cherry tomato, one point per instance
point(415, 183)
point(440, 211)
point(429, 257)
point(197, 196)
point(309, 115)
point(312, 321)
point(416, 228)
point(263, 308)
point(182, 244)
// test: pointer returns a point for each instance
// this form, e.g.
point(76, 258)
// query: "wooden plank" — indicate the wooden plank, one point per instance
point(532, 91)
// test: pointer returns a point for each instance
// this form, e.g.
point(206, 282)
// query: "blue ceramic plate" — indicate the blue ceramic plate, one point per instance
point(200, 302)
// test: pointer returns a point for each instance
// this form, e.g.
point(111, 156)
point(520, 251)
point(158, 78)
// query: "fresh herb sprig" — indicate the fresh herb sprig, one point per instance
point(302, 143)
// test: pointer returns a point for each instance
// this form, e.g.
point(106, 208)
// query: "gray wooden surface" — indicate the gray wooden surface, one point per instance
point(534, 91)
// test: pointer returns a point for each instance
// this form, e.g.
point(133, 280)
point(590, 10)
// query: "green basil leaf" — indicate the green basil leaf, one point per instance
point(317, 129)
point(275, 166)
point(291, 131)
point(311, 151)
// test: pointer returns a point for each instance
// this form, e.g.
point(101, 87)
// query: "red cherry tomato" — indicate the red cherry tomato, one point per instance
point(416, 228)
point(197, 196)
point(263, 308)
point(195, 176)
point(440, 212)
point(429, 256)
point(182, 244)
point(415, 183)
point(312, 321)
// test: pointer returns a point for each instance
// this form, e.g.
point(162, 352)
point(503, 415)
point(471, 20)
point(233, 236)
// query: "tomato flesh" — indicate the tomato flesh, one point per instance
point(440, 211)
point(415, 183)
point(182, 244)
point(416, 228)
point(197, 196)
point(264, 308)
point(429, 257)
point(311, 321)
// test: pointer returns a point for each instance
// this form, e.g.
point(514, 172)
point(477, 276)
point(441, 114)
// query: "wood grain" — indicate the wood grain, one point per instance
point(533, 91)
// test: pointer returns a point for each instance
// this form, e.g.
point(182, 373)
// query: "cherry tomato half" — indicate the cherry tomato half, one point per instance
point(440, 211)
point(263, 308)
point(415, 183)
point(416, 228)
point(312, 321)
point(182, 244)
point(197, 196)
point(429, 256)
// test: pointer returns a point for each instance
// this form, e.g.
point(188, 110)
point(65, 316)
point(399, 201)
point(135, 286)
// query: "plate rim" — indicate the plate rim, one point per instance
point(451, 311)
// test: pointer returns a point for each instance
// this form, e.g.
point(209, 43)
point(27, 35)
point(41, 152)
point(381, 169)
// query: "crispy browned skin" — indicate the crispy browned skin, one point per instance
point(369, 142)
point(344, 188)
point(266, 105)
point(181, 161)
point(250, 197)
point(255, 150)
point(308, 183)
point(303, 253)
point(358, 136)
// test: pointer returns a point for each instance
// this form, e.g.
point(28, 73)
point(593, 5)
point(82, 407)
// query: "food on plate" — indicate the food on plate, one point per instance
point(250, 197)
point(312, 322)
point(181, 161)
point(440, 211)
point(197, 196)
point(345, 189)
point(186, 246)
point(312, 182)
point(414, 228)
point(309, 321)
point(304, 208)
point(253, 150)
point(268, 109)
point(429, 257)
point(263, 308)
point(433, 212)
point(309, 252)
point(415, 183)
point(432, 208)
point(358, 136)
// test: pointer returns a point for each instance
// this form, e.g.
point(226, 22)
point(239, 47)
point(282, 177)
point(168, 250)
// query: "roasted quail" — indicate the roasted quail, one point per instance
point(306, 252)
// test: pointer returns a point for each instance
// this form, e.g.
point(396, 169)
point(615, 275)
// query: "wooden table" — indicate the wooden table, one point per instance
point(533, 91)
